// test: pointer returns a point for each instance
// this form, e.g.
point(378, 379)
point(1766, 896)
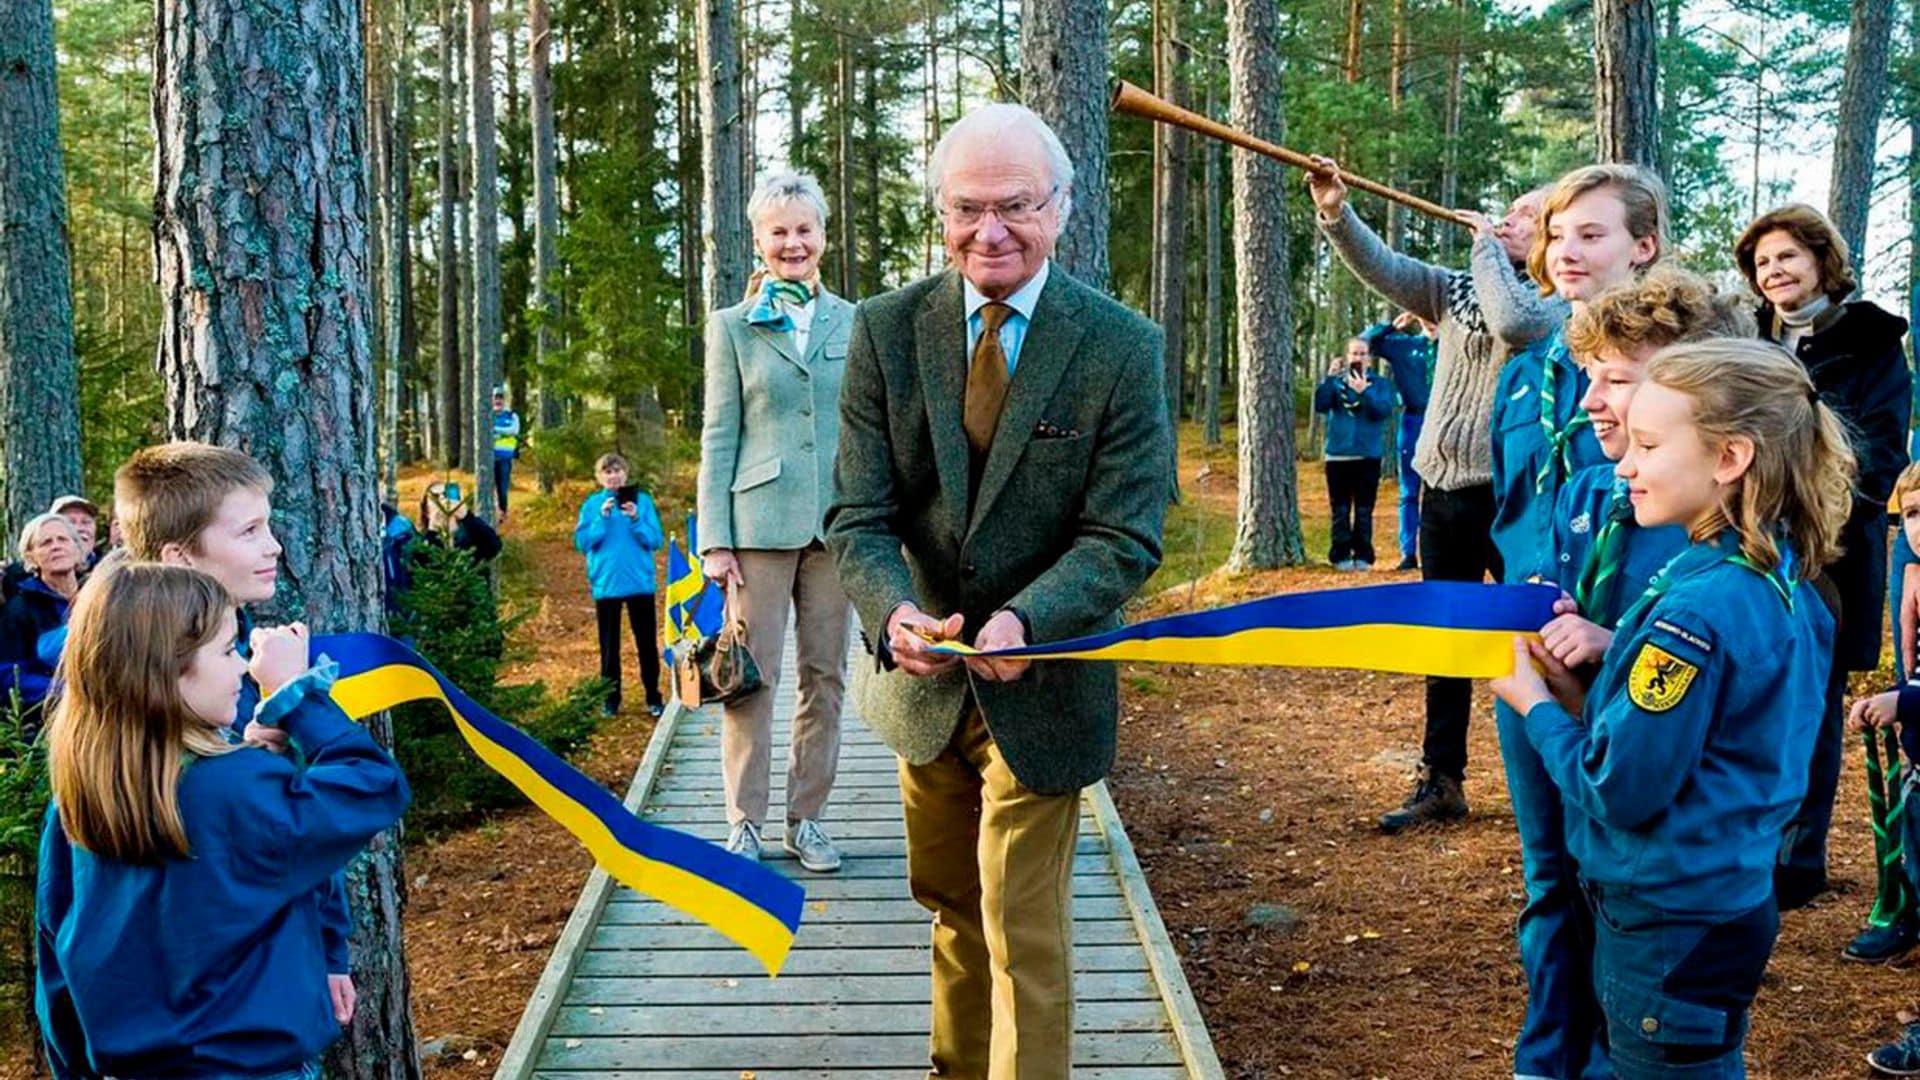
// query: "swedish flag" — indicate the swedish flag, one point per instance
point(695, 606)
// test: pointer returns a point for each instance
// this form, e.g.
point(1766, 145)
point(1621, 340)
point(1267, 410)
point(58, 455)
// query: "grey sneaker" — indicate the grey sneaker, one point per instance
point(744, 841)
point(807, 841)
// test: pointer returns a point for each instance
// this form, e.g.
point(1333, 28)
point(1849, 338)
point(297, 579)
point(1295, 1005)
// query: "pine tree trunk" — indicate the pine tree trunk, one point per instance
point(452, 430)
point(39, 378)
point(1450, 153)
point(875, 130)
point(1863, 95)
point(849, 238)
point(1268, 532)
point(486, 251)
point(546, 214)
point(1626, 61)
point(404, 314)
point(1396, 98)
point(463, 228)
point(1170, 219)
point(724, 201)
point(260, 243)
point(1216, 323)
point(692, 307)
point(1063, 77)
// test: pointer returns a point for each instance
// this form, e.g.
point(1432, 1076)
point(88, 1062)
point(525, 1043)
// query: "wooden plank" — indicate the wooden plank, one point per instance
point(895, 868)
point(819, 911)
point(752, 1053)
point(737, 964)
point(865, 847)
point(523, 1049)
point(638, 1071)
point(1189, 1027)
point(828, 935)
point(610, 991)
point(805, 1020)
point(691, 795)
point(833, 887)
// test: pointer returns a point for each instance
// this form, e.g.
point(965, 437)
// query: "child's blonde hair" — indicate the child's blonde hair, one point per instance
point(1638, 189)
point(1666, 306)
point(168, 494)
point(120, 729)
point(1800, 484)
point(1907, 484)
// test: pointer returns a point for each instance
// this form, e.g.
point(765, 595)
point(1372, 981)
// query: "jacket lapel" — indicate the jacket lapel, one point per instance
point(828, 309)
point(1045, 355)
point(940, 334)
point(780, 341)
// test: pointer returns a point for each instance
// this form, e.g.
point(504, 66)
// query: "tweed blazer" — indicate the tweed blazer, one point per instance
point(1064, 527)
point(772, 423)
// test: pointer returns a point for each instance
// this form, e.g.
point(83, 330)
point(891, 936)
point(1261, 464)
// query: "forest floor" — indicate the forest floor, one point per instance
point(1317, 947)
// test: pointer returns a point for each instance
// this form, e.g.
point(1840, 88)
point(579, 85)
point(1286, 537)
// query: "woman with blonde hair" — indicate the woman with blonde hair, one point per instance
point(773, 369)
point(1796, 262)
point(53, 554)
point(183, 880)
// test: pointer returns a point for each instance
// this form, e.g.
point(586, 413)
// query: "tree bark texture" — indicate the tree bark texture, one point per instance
point(463, 229)
point(723, 189)
point(1170, 219)
point(849, 239)
point(1063, 77)
point(1268, 530)
point(1216, 324)
point(39, 379)
point(1626, 62)
point(260, 239)
point(1396, 98)
point(452, 431)
point(486, 250)
point(546, 207)
point(1450, 156)
point(406, 355)
point(1863, 94)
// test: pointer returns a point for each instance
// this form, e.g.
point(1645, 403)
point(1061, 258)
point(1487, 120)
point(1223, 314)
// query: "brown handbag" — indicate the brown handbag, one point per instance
point(719, 667)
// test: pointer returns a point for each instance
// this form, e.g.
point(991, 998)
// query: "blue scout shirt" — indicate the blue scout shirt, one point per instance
point(1588, 501)
point(212, 964)
point(1692, 752)
point(619, 549)
point(1532, 457)
point(1410, 358)
point(1355, 422)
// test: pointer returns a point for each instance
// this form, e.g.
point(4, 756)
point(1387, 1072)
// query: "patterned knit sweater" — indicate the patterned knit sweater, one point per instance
point(1485, 317)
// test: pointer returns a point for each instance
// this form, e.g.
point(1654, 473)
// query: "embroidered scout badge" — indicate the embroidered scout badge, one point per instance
point(1659, 679)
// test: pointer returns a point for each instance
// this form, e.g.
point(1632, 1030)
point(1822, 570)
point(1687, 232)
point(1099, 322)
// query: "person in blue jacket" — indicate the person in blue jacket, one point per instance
point(1357, 402)
point(619, 530)
point(52, 552)
point(1407, 344)
point(506, 448)
point(182, 877)
point(1679, 765)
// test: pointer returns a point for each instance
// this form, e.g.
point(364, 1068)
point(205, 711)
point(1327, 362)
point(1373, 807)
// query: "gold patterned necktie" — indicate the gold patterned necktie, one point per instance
point(986, 379)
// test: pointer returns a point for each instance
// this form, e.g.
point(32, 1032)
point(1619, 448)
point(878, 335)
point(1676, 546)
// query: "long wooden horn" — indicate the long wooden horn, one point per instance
point(1128, 98)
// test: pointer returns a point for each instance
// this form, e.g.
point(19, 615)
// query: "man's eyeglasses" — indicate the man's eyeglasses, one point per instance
point(1016, 211)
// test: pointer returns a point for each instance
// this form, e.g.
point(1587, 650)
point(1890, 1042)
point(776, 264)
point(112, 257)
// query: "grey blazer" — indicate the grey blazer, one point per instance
point(772, 426)
point(1064, 527)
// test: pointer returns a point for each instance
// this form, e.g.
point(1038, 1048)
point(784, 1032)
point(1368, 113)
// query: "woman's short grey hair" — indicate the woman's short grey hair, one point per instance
point(32, 532)
point(1006, 116)
point(786, 187)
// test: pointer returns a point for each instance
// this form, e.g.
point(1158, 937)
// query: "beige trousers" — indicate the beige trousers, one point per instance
point(993, 861)
point(805, 582)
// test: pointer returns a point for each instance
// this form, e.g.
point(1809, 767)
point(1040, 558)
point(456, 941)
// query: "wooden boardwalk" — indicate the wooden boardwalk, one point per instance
point(635, 989)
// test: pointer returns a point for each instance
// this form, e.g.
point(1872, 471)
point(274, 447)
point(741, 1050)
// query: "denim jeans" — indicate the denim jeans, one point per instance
point(1676, 988)
point(1409, 486)
point(502, 479)
point(307, 1071)
point(1559, 1035)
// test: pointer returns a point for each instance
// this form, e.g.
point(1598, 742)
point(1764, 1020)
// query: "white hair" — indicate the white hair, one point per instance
point(998, 117)
point(32, 532)
point(785, 187)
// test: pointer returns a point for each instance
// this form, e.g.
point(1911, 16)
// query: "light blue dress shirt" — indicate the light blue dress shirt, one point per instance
point(1013, 332)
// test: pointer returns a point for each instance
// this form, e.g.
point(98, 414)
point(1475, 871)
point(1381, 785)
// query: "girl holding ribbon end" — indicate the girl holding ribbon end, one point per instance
point(183, 877)
point(1681, 762)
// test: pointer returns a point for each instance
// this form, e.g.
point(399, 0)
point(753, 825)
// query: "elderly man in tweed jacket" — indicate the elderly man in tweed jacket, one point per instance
point(1001, 479)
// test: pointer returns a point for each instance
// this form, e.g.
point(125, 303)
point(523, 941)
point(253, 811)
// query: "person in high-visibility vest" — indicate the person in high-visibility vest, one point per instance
point(506, 446)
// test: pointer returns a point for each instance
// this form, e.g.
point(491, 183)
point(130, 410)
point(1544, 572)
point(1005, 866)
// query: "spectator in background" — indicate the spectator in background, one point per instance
point(84, 516)
point(447, 518)
point(1357, 403)
point(51, 551)
point(618, 530)
point(506, 447)
point(1407, 345)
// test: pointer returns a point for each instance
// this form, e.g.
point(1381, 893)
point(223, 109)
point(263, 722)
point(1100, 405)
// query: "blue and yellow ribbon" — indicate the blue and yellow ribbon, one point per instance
point(1427, 628)
point(752, 905)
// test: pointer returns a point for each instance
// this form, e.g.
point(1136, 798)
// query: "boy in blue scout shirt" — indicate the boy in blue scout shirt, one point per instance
point(1407, 344)
point(1672, 810)
point(1357, 403)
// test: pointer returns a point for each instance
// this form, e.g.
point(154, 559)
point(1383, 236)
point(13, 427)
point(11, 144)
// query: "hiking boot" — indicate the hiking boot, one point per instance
point(1408, 563)
point(1879, 944)
point(808, 842)
point(1436, 797)
point(1901, 1058)
point(1797, 886)
point(744, 841)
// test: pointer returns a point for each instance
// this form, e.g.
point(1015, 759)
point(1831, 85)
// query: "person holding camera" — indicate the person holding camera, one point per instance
point(1357, 403)
point(618, 530)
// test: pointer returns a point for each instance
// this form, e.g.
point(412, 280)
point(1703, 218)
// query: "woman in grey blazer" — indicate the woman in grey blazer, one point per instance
point(773, 370)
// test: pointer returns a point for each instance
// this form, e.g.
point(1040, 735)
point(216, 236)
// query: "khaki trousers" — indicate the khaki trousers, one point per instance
point(804, 581)
point(994, 863)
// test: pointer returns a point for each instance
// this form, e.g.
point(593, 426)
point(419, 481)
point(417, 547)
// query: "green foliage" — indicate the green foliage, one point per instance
point(452, 617)
point(23, 808)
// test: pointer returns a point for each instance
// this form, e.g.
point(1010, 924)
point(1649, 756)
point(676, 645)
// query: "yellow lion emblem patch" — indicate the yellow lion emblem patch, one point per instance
point(1659, 679)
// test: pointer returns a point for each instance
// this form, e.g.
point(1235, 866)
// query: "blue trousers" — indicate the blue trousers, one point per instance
point(1409, 486)
point(1560, 1037)
point(502, 479)
point(1903, 557)
point(1675, 987)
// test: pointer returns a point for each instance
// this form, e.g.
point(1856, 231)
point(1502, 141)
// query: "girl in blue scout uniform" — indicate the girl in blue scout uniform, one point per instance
point(1599, 227)
point(1681, 762)
point(159, 821)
